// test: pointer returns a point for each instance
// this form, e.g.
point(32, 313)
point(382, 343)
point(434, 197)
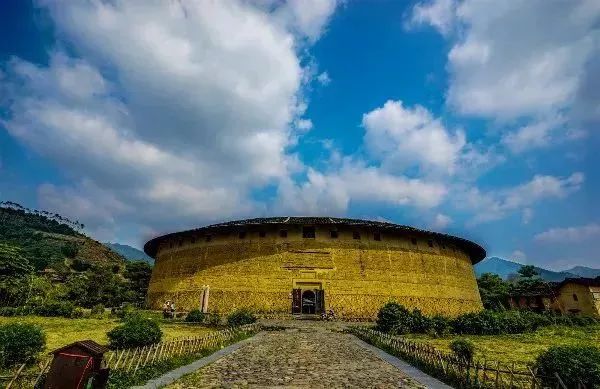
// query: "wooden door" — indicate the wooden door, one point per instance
point(296, 300)
point(320, 301)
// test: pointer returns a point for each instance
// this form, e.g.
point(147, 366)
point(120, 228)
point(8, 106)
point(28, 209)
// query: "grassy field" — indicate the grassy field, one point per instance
point(520, 348)
point(60, 331)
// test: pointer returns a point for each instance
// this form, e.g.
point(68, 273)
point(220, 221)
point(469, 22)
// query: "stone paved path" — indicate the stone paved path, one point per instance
point(301, 357)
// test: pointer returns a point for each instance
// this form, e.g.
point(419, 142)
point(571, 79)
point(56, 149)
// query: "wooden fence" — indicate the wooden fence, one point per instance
point(457, 372)
point(132, 359)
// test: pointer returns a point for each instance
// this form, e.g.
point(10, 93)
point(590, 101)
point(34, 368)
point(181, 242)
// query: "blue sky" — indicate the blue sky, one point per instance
point(468, 117)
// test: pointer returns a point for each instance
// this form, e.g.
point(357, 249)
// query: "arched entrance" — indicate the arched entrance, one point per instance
point(308, 302)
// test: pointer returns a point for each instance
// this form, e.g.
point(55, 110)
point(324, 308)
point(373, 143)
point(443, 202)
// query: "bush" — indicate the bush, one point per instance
point(572, 363)
point(464, 349)
point(77, 313)
point(241, 317)
point(439, 326)
point(98, 310)
point(213, 319)
point(20, 343)
point(135, 331)
point(393, 317)
point(125, 311)
point(195, 316)
point(55, 309)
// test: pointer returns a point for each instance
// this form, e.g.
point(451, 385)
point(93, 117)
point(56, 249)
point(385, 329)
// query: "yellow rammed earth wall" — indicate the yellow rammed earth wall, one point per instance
point(585, 304)
point(357, 276)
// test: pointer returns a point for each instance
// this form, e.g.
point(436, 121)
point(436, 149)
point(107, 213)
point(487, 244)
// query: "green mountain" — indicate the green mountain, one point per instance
point(583, 271)
point(49, 240)
point(130, 253)
point(505, 268)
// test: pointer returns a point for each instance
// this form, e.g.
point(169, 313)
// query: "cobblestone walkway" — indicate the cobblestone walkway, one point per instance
point(301, 357)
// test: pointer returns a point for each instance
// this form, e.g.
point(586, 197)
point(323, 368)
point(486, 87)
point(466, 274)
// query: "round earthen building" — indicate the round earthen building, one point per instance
point(310, 264)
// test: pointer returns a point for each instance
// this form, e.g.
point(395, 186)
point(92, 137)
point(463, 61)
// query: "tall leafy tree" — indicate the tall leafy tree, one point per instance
point(494, 291)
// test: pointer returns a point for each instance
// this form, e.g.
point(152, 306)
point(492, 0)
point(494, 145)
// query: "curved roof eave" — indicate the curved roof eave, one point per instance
point(475, 251)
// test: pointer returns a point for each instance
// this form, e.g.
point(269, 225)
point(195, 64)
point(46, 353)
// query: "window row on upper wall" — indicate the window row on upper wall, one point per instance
point(308, 232)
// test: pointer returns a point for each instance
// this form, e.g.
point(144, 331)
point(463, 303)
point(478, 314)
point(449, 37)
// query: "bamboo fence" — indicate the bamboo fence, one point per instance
point(458, 372)
point(132, 359)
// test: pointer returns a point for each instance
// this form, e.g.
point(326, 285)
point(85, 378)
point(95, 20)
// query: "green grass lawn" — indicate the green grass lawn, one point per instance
point(519, 348)
point(60, 331)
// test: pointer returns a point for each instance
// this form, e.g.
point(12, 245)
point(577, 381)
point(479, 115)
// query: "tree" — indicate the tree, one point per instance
point(15, 270)
point(138, 273)
point(529, 282)
point(494, 291)
point(528, 271)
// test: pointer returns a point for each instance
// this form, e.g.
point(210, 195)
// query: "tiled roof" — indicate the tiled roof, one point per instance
point(581, 281)
point(475, 251)
point(90, 345)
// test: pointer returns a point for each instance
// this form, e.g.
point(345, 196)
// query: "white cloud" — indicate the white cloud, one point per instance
point(332, 192)
point(519, 58)
point(304, 124)
point(518, 255)
point(569, 234)
point(522, 62)
point(307, 17)
point(495, 204)
point(177, 112)
point(438, 13)
point(324, 78)
point(402, 136)
point(441, 221)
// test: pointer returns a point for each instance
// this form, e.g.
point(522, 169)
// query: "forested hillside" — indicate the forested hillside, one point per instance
point(46, 259)
point(49, 240)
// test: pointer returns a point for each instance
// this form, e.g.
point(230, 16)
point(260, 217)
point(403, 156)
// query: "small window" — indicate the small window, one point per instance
point(283, 233)
point(208, 238)
point(430, 243)
point(356, 235)
point(262, 234)
point(377, 236)
point(575, 297)
point(333, 234)
point(242, 234)
point(308, 232)
point(413, 241)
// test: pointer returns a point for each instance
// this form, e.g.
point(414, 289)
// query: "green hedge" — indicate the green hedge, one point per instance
point(396, 319)
point(240, 317)
point(134, 332)
point(20, 343)
point(572, 363)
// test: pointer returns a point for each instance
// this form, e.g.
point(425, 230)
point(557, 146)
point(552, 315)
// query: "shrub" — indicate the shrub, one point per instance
point(213, 319)
point(241, 317)
point(393, 317)
point(77, 313)
point(125, 311)
point(439, 326)
point(464, 349)
point(135, 331)
point(195, 316)
point(20, 343)
point(572, 363)
point(98, 310)
point(55, 309)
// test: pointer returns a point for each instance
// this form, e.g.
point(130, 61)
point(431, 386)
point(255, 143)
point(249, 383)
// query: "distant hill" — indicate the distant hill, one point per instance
point(505, 268)
point(583, 271)
point(130, 253)
point(50, 240)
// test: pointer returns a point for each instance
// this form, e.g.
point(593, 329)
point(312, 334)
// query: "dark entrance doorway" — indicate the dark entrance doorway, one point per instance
point(308, 302)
